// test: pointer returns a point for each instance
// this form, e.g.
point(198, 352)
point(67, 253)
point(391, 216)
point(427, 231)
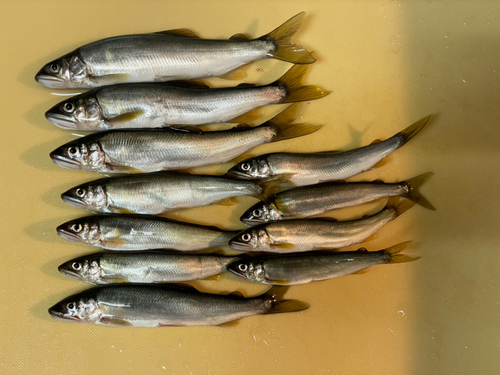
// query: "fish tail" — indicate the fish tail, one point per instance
point(295, 91)
point(411, 131)
point(399, 206)
point(285, 49)
point(280, 305)
point(414, 194)
point(284, 130)
point(394, 251)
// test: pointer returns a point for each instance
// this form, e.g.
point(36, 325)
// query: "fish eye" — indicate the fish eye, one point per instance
point(246, 237)
point(242, 267)
point(72, 151)
point(69, 107)
point(245, 167)
point(76, 266)
point(71, 306)
point(80, 192)
point(77, 227)
point(257, 212)
point(54, 68)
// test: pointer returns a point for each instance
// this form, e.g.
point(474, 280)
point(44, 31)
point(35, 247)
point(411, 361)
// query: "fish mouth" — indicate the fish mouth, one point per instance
point(61, 316)
point(68, 273)
point(240, 246)
point(252, 222)
point(74, 202)
point(237, 174)
point(50, 81)
point(62, 121)
point(68, 236)
point(64, 162)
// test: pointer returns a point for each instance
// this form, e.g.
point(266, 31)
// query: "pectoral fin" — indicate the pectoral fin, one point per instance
point(126, 117)
point(283, 246)
point(278, 282)
point(115, 322)
point(110, 79)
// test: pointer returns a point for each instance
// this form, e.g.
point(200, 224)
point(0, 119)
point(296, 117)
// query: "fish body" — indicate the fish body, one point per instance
point(166, 56)
point(166, 305)
point(299, 169)
point(314, 234)
point(142, 232)
point(156, 193)
point(144, 267)
point(305, 268)
point(142, 151)
point(183, 104)
point(315, 200)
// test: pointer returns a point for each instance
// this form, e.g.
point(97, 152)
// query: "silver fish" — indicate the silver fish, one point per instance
point(135, 232)
point(314, 234)
point(144, 267)
point(309, 267)
point(168, 55)
point(156, 193)
point(314, 200)
point(312, 168)
point(166, 305)
point(150, 105)
point(142, 151)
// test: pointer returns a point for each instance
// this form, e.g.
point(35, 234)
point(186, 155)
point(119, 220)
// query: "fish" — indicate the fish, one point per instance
point(292, 236)
point(314, 200)
point(144, 267)
point(181, 104)
point(296, 269)
point(168, 55)
point(142, 232)
point(301, 169)
point(156, 193)
point(154, 150)
point(136, 305)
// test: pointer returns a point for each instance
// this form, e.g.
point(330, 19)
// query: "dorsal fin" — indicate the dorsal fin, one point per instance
point(376, 141)
point(191, 84)
point(240, 36)
point(245, 85)
point(186, 128)
point(186, 33)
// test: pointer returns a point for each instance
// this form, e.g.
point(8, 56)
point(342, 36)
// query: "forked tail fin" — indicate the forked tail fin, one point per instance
point(280, 305)
point(285, 49)
point(394, 251)
point(414, 194)
point(295, 91)
point(411, 131)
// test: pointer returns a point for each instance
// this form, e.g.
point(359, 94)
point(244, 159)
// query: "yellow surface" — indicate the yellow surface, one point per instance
point(388, 64)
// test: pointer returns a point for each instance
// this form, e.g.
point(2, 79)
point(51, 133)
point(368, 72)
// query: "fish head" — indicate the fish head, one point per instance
point(79, 154)
point(85, 230)
point(90, 196)
point(254, 239)
point(68, 71)
point(251, 169)
point(261, 213)
point(79, 113)
point(83, 268)
point(248, 269)
point(79, 308)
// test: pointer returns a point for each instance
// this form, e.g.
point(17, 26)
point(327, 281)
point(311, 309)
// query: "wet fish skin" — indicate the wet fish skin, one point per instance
point(144, 267)
point(314, 234)
point(315, 200)
point(156, 193)
point(168, 55)
point(179, 105)
point(296, 269)
point(135, 305)
point(143, 151)
point(142, 232)
point(300, 169)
